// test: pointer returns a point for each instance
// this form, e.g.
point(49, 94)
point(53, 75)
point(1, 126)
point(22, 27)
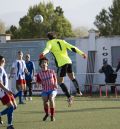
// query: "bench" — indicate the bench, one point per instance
point(106, 88)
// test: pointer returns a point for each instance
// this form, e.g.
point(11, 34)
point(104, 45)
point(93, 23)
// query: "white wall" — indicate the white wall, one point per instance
point(99, 44)
point(102, 46)
point(2, 39)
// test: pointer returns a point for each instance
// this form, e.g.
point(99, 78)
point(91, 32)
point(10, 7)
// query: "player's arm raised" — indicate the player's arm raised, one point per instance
point(76, 50)
point(45, 51)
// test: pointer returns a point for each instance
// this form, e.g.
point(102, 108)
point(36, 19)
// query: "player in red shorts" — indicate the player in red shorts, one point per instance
point(6, 95)
point(47, 78)
point(19, 68)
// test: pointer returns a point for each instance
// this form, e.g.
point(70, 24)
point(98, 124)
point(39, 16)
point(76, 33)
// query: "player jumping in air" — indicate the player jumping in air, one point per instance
point(59, 49)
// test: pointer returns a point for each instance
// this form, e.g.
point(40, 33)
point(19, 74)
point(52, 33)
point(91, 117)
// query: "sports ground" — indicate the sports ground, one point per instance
point(85, 113)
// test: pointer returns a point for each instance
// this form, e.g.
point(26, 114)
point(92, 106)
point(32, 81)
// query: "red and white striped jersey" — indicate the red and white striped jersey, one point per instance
point(47, 79)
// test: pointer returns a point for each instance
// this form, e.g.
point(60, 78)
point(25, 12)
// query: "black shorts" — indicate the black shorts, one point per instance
point(28, 83)
point(61, 71)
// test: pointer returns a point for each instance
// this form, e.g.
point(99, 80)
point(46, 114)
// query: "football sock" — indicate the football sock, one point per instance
point(20, 97)
point(52, 111)
point(65, 90)
point(46, 109)
point(18, 94)
point(25, 93)
point(10, 115)
point(4, 112)
point(76, 85)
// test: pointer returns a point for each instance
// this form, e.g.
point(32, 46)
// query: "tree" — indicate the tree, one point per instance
point(2, 28)
point(103, 23)
point(114, 13)
point(54, 20)
point(13, 31)
point(108, 22)
point(80, 32)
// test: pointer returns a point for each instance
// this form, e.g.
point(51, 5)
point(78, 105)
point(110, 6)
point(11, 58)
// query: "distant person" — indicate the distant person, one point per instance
point(110, 76)
point(59, 49)
point(47, 78)
point(6, 96)
point(19, 68)
point(29, 77)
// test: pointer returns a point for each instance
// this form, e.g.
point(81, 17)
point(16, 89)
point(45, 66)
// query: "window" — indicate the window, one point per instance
point(115, 55)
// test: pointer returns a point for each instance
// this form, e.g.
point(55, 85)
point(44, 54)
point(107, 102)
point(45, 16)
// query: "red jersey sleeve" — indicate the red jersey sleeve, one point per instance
point(38, 78)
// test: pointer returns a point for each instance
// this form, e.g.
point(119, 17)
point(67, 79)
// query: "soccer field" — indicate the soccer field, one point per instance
point(85, 113)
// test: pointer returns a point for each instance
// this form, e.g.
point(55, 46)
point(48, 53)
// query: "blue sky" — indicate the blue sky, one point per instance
point(78, 12)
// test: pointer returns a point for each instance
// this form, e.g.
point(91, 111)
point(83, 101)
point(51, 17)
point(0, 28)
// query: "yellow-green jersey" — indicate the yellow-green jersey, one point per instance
point(59, 48)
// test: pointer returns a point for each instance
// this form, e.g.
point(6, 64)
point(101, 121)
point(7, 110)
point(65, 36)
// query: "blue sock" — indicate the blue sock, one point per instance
point(5, 111)
point(20, 97)
point(10, 115)
point(18, 94)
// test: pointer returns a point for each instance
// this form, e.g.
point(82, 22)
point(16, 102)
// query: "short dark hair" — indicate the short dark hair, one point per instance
point(1, 57)
point(19, 52)
point(51, 35)
point(40, 60)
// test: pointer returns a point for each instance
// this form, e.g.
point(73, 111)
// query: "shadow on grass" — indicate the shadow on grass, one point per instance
point(89, 98)
point(29, 121)
point(88, 109)
point(73, 110)
point(30, 112)
point(96, 99)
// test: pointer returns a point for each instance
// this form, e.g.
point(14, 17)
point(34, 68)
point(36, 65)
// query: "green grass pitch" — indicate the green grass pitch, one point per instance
point(85, 113)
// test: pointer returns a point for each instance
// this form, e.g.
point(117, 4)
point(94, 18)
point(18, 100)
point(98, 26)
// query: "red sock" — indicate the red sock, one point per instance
point(52, 111)
point(46, 109)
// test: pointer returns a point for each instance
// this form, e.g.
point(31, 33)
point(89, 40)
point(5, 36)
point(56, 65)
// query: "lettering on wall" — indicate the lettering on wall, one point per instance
point(105, 54)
